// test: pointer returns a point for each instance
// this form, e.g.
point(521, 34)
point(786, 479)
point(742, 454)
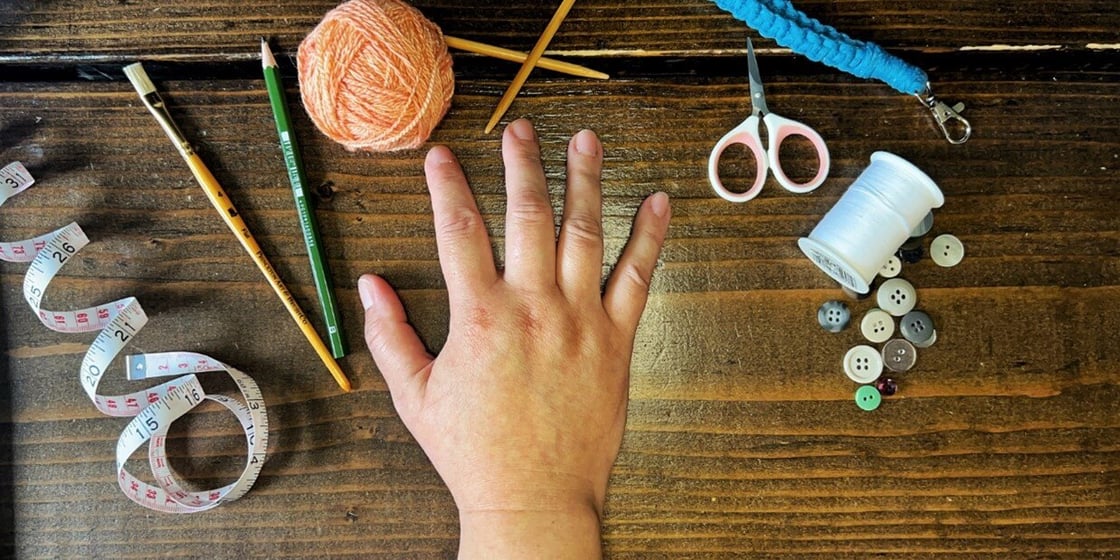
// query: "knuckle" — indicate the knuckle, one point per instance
point(458, 223)
point(529, 156)
point(376, 337)
point(637, 275)
point(530, 210)
point(583, 229)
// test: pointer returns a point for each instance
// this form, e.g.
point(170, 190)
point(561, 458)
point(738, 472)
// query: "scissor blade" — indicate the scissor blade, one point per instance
point(758, 97)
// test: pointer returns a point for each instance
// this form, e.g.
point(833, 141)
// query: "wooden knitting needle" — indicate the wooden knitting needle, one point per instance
point(530, 62)
point(515, 56)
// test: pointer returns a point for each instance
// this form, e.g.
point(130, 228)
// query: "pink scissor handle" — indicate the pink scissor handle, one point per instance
point(779, 128)
point(746, 134)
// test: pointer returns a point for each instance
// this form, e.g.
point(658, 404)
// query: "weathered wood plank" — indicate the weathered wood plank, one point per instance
point(75, 31)
point(1042, 208)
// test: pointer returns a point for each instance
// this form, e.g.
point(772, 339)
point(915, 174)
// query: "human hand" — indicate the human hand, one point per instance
point(523, 410)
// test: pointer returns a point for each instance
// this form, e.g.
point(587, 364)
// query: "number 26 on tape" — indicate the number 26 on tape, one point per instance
point(118, 322)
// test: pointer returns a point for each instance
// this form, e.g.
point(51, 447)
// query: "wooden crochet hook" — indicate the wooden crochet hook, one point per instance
point(527, 66)
point(515, 56)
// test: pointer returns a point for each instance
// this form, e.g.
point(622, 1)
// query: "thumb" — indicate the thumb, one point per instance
point(397, 351)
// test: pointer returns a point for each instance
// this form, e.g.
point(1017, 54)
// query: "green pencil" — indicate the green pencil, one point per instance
point(306, 219)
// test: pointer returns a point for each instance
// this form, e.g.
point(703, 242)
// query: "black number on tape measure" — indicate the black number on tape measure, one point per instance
point(11, 182)
point(151, 423)
point(121, 334)
point(193, 397)
point(36, 291)
point(66, 246)
point(58, 255)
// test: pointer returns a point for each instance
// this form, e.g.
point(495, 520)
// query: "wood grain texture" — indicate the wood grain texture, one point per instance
point(78, 31)
point(742, 439)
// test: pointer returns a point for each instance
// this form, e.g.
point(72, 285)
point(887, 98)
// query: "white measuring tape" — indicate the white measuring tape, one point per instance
point(153, 409)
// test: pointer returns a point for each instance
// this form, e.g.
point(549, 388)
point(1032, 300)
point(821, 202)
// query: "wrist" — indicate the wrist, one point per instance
point(498, 490)
point(553, 533)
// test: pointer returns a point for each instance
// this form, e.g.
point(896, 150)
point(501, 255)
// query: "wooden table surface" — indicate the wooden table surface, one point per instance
point(743, 439)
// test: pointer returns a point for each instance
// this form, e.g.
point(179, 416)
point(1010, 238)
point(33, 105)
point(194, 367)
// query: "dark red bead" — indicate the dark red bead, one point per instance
point(886, 386)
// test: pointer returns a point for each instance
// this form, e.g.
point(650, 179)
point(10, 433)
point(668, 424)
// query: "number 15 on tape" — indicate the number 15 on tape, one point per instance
point(153, 409)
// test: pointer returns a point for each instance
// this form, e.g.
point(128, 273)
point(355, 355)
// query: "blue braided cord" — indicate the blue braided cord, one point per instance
point(789, 27)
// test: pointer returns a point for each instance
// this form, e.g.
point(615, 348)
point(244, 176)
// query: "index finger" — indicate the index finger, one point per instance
point(464, 246)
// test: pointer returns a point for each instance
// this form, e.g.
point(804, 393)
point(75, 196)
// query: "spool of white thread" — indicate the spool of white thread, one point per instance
point(871, 221)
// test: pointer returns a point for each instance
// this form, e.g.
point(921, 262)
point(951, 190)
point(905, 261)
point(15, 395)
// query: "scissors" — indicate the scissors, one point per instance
point(778, 129)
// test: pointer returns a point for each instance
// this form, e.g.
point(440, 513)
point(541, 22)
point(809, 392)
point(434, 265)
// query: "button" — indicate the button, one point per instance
point(924, 226)
point(928, 343)
point(833, 316)
point(863, 364)
point(886, 386)
point(946, 250)
point(868, 398)
point(911, 251)
point(916, 326)
point(877, 325)
point(892, 268)
point(897, 297)
point(899, 355)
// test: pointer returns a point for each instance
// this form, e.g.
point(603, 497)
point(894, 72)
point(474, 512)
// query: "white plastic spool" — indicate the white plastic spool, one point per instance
point(871, 221)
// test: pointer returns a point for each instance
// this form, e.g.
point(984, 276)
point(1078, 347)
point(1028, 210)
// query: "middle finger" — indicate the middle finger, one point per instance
point(530, 230)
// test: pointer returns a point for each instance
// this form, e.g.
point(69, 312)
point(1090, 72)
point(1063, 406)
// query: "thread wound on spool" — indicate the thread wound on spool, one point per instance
point(871, 220)
point(376, 75)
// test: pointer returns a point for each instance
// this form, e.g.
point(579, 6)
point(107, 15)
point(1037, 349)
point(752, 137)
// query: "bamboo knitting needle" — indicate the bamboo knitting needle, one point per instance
point(515, 56)
point(530, 62)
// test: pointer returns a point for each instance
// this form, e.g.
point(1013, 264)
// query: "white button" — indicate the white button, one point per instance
point(946, 250)
point(891, 268)
point(863, 364)
point(877, 325)
point(897, 297)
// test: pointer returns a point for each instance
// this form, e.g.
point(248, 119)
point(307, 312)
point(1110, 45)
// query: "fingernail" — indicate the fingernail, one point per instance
point(441, 155)
point(365, 292)
point(523, 129)
point(586, 143)
point(659, 203)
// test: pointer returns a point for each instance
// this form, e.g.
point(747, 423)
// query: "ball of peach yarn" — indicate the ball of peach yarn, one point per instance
point(376, 75)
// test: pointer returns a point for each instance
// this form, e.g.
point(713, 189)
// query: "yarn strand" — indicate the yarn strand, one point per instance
point(790, 27)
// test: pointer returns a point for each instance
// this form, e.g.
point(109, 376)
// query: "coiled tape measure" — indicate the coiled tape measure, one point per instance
point(154, 409)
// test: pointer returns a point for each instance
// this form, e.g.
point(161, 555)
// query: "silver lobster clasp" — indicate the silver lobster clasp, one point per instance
point(956, 128)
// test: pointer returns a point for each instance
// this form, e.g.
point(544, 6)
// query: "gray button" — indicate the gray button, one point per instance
point(928, 343)
point(833, 316)
point(923, 227)
point(916, 326)
point(899, 355)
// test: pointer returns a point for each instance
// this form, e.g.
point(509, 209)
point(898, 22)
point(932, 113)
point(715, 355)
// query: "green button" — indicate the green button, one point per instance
point(868, 397)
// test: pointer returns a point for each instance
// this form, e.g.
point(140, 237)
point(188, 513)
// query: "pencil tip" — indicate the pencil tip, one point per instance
point(267, 59)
